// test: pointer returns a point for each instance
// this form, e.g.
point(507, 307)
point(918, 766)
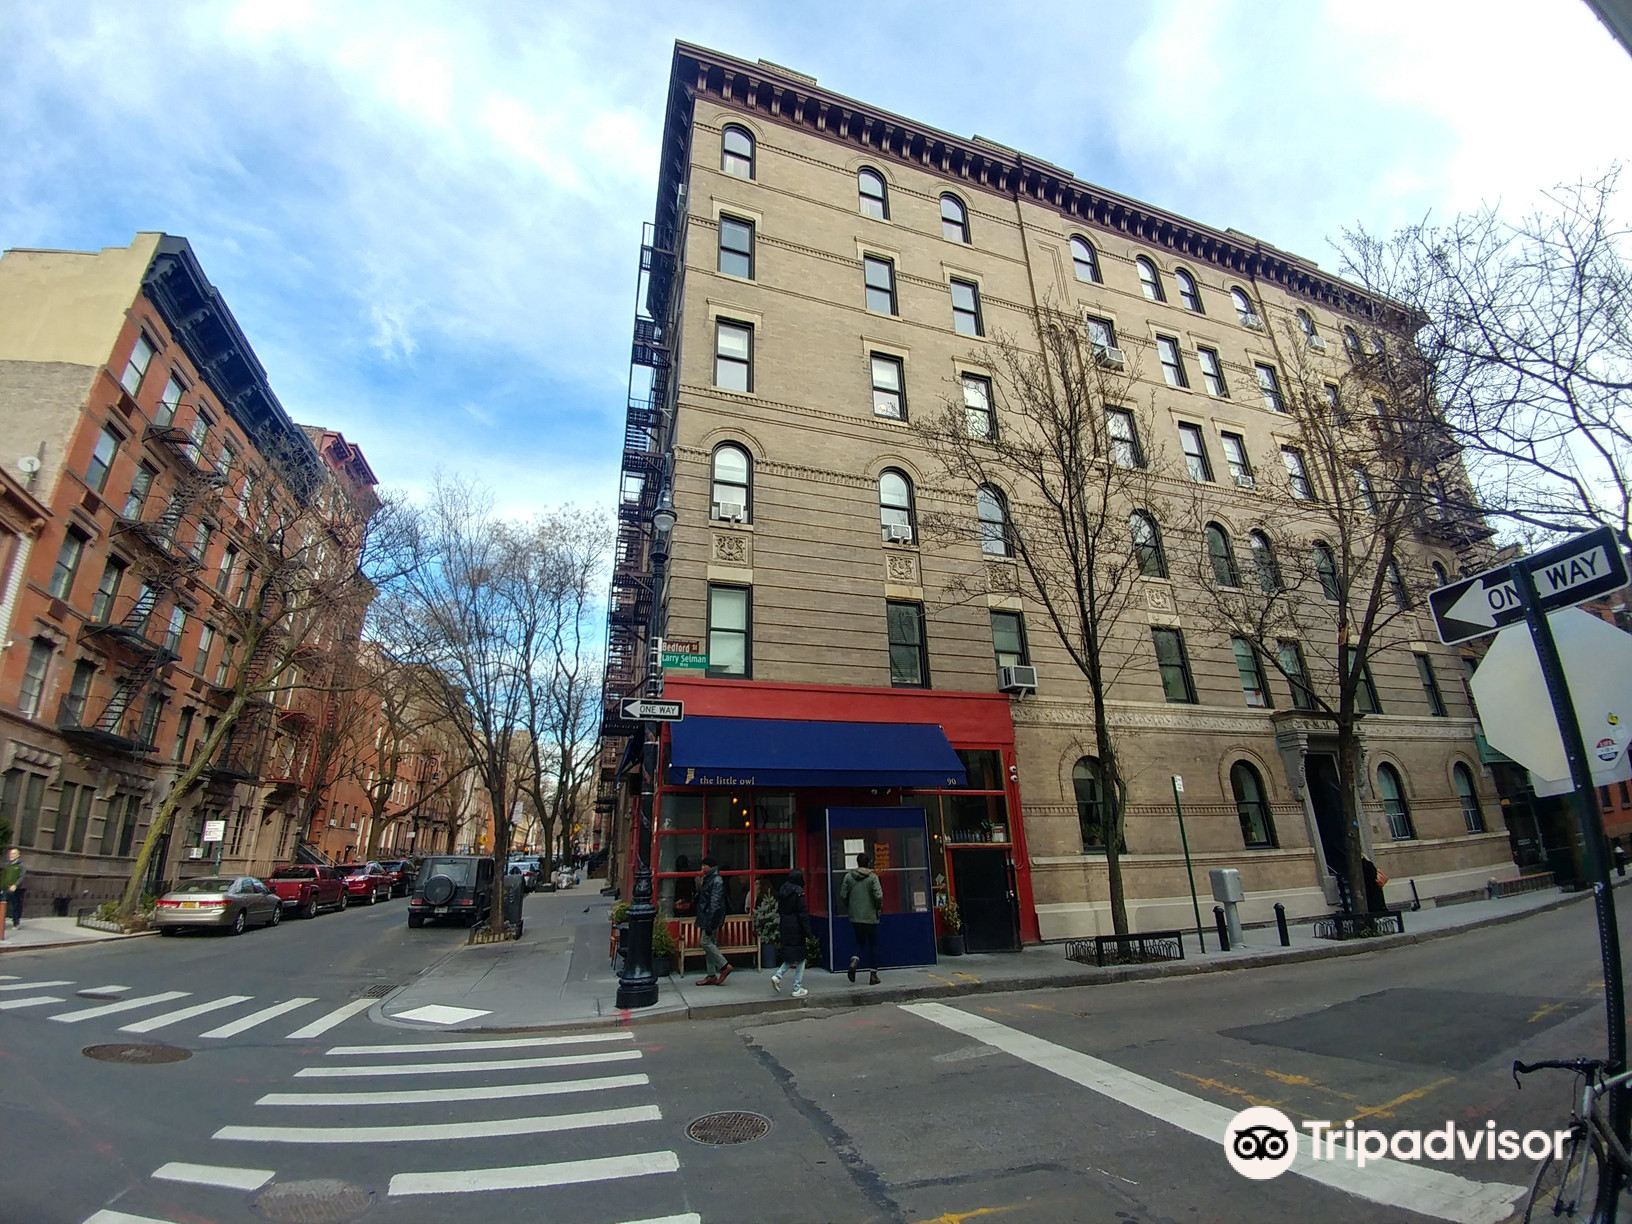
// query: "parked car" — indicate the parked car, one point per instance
point(365, 882)
point(401, 874)
point(306, 888)
point(529, 868)
point(229, 903)
point(458, 886)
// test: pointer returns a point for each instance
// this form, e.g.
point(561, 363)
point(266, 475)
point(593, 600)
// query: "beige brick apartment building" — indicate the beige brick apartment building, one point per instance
point(818, 272)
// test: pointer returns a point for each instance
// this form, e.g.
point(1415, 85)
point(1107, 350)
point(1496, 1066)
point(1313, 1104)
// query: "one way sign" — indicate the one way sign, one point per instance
point(1570, 573)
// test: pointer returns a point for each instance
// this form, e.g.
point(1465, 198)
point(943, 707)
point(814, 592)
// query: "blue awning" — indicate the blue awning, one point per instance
point(792, 752)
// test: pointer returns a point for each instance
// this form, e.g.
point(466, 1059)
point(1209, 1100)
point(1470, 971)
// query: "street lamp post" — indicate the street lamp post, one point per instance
point(637, 984)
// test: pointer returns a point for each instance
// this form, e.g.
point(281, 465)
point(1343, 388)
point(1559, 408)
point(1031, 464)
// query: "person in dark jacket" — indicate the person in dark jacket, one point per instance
point(794, 911)
point(12, 875)
point(862, 897)
point(710, 915)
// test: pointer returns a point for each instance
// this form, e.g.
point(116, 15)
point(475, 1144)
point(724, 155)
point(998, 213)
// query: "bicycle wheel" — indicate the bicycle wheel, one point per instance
point(1552, 1199)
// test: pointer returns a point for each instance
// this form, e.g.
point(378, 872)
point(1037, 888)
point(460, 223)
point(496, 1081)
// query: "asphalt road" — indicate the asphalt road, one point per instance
point(1065, 1105)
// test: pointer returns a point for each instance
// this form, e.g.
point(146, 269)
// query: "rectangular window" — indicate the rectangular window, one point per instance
point(1167, 348)
point(1430, 685)
point(1212, 372)
point(1123, 432)
point(206, 644)
point(174, 630)
point(199, 431)
point(1365, 692)
point(229, 562)
point(151, 713)
point(966, 308)
point(1363, 491)
point(224, 663)
point(1334, 403)
point(730, 640)
point(1174, 665)
point(140, 486)
point(201, 542)
point(21, 794)
point(107, 446)
point(184, 732)
point(733, 356)
point(141, 356)
point(33, 686)
point(1270, 384)
point(247, 590)
point(1253, 686)
point(1290, 656)
point(68, 556)
point(977, 406)
point(880, 278)
point(737, 247)
point(1195, 453)
point(79, 688)
point(1009, 639)
point(909, 653)
point(73, 817)
point(165, 414)
point(889, 387)
point(1296, 474)
point(1101, 334)
point(1235, 455)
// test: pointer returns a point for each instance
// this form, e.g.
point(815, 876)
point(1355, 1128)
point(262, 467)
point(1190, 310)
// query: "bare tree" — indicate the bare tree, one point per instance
point(1052, 446)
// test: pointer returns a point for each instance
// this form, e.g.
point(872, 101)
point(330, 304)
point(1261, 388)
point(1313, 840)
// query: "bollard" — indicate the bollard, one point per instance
point(1223, 933)
point(1280, 925)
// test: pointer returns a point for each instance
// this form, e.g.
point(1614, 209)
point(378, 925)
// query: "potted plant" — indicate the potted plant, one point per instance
point(951, 928)
point(768, 926)
point(620, 932)
point(664, 949)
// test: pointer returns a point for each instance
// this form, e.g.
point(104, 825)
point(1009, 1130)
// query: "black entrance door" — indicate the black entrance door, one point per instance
point(1326, 794)
point(986, 900)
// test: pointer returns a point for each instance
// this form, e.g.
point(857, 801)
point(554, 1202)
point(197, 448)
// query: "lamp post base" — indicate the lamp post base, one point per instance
point(636, 992)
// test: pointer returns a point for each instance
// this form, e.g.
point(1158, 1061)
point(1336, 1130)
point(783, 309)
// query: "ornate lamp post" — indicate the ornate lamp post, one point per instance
point(637, 985)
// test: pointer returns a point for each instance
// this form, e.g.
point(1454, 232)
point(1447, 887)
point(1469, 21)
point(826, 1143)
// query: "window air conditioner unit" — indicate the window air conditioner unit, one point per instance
point(195, 852)
point(1316, 343)
point(730, 512)
point(1110, 356)
point(898, 533)
point(1017, 679)
point(1252, 321)
point(1246, 480)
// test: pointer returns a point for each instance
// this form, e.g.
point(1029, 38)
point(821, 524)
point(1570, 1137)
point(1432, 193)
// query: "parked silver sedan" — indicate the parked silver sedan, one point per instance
point(228, 902)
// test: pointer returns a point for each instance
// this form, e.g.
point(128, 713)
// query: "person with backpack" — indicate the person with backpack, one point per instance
point(710, 917)
point(794, 912)
point(862, 896)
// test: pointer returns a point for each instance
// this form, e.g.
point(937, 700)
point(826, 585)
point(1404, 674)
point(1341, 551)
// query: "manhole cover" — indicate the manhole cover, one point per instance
point(379, 990)
point(131, 1052)
point(324, 1201)
point(734, 1126)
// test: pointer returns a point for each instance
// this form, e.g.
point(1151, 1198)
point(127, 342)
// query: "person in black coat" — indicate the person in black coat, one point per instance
point(794, 912)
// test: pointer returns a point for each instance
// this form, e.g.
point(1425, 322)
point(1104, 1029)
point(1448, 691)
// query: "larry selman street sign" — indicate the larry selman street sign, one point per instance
point(1570, 573)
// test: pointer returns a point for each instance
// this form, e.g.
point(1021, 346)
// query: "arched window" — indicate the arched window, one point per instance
point(1188, 293)
point(993, 513)
point(1263, 563)
point(1306, 324)
point(1085, 260)
point(1222, 556)
point(1440, 576)
point(1392, 795)
point(1093, 806)
point(954, 219)
point(1396, 584)
point(875, 196)
point(1471, 815)
point(1150, 280)
point(732, 484)
point(737, 152)
point(895, 515)
point(1243, 307)
point(1326, 571)
point(1147, 544)
point(1257, 830)
point(1351, 341)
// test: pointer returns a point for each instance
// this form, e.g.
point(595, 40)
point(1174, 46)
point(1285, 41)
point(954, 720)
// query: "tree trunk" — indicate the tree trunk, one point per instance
point(1348, 776)
point(1115, 795)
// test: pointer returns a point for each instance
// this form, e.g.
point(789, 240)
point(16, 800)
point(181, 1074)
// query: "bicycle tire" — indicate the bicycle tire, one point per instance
point(1553, 1199)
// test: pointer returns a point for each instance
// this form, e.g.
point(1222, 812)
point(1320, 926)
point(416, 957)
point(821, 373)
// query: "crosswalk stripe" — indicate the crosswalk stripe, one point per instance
point(215, 1175)
point(453, 1068)
point(106, 1216)
point(690, 1217)
point(528, 1177)
point(93, 991)
point(257, 1017)
point(513, 1043)
point(36, 985)
point(184, 1013)
point(110, 1009)
point(435, 1131)
point(324, 1023)
point(8, 977)
point(433, 1096)
point(32, 1001)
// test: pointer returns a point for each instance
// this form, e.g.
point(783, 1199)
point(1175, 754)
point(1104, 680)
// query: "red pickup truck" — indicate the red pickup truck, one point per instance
point(306, 889)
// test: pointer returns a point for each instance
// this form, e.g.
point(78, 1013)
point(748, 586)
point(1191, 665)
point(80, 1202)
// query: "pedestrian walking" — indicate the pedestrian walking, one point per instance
point(12, 874)
point(862, 896)
point(710, 914)
point(794, 911)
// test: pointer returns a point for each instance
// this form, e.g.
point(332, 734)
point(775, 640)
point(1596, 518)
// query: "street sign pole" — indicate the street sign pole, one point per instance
point(1592, 835)
point(1178, 789)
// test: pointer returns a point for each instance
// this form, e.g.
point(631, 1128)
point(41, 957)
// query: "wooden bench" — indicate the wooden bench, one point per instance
point(735, 938)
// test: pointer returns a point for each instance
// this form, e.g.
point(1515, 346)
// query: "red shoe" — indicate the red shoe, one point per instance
point(724, 973)
point(710, 980)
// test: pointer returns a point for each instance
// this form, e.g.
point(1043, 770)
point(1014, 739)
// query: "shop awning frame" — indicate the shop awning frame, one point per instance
point(785, 752)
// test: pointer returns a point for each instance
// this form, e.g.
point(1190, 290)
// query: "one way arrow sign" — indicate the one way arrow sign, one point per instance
point(1580, 569)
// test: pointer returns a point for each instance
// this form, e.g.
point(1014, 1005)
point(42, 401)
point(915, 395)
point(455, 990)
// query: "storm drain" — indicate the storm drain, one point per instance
point(323, 1201)
point(132, 1052)
point(734, 1126)
point(379, 990)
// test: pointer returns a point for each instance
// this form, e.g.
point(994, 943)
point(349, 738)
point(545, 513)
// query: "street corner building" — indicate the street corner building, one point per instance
point(150, 485)
point(818, 273)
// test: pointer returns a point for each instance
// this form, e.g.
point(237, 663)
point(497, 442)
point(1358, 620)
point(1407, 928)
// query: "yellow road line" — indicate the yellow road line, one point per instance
point(1251, 1098)
point(957, 1217)
point(1386, 1109)
point(1546, 1009)
point(1295, 1081)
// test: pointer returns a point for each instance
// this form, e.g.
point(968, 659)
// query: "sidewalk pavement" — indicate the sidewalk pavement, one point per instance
point(557, 975)
point(38, 933)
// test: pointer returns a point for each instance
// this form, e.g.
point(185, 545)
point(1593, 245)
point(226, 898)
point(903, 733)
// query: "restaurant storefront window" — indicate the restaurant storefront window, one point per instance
point(749, 834)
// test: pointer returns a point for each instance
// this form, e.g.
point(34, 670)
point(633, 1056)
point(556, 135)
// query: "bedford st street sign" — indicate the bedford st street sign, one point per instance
point(1570, 573)
point(642, 709)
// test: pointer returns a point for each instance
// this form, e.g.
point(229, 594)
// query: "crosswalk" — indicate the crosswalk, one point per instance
point(503, 1088)
point(63, 1001)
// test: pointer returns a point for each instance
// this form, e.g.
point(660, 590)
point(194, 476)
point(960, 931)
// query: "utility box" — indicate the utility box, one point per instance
point(1226, 885)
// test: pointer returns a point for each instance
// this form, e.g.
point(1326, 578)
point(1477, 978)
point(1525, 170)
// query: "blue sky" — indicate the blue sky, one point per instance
point(426, 216)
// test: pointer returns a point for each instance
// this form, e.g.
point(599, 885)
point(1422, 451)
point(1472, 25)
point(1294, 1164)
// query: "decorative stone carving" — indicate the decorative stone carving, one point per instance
point(901, 568)
point(1158, 599)
point(1001, 577)
point(731, 549)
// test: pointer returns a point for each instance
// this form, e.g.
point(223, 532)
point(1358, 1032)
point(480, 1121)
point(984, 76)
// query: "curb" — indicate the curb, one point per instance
point(72, 943)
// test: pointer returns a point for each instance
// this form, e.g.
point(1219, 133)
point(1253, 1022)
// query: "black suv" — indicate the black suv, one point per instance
point(452, 886)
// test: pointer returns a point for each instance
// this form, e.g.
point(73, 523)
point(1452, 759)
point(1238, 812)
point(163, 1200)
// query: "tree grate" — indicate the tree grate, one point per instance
point(732, 1126)
point(136, 1053)
point(324, 1201)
